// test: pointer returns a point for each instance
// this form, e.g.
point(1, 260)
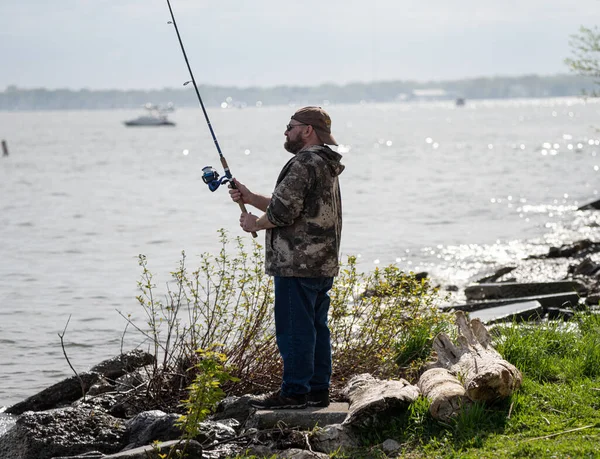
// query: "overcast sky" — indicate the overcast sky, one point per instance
point(127, 44)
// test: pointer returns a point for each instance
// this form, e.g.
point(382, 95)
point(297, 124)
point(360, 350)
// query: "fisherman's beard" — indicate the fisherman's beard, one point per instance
point(294, 146)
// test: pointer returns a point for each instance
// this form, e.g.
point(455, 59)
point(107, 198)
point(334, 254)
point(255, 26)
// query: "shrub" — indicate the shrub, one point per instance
point(205, 392)
point(380, 320)
point(377, 320)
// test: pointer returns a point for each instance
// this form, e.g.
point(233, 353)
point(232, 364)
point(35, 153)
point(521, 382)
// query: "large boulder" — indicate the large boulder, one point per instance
point(59, 395)
point(71, 389)
point(62, 432)
point(123, 363)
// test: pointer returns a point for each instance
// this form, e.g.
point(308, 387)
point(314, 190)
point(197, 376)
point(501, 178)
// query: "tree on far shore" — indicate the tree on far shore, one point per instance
point(585, 46)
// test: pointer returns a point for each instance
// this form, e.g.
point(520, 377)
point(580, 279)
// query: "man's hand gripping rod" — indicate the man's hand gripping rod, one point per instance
point(193, 81)
point(233, 185)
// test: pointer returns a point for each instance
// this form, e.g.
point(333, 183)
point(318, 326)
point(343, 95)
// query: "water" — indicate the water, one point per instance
point(452, 190)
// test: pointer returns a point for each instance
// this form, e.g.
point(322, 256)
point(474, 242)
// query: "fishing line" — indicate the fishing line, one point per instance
point(209, 175)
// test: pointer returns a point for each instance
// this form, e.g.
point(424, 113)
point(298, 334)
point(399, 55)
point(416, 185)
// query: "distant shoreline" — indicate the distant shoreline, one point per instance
point(14, 98)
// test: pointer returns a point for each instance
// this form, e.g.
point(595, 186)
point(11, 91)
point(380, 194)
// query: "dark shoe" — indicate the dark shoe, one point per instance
point(277, 401)
point(318, 398)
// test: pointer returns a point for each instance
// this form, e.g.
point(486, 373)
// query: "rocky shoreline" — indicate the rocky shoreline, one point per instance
point(61, 422)
point(556, 284)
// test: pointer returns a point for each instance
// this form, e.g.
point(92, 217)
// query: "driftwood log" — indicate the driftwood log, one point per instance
point(473, 364)
point(372, 398)
point(445, 392)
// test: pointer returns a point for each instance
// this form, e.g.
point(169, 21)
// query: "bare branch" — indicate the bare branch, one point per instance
point(62, 344)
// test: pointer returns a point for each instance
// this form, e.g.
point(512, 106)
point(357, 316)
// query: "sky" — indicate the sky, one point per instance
point(128, 44)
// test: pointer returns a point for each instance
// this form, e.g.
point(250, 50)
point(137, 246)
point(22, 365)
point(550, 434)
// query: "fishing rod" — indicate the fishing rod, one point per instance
point(209, 175)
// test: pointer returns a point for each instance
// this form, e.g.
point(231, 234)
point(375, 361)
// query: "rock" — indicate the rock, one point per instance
point(577, 249)
point(547, 301)
point(122, 405)
point(306, 418)
point(295, 453)
point(6, 421)
point(102, 402)
point(232, 423)
point(560, 313)
point(586, 268)
point(591, 206)
point(101, 387)
point(150, 426)
point(228, 450)
point(193, 450)
point(553, 252)
point(131, 381)
point(593, 300)
point(371, 398)
point(497, 275)
point(422, 275)
point(390, 446)
point(287, 438)
point(518, 290)
point(125, 404)
point(514, 312)
point(90, 455)
point(211, 431)
point(259, 451)
point(333, 438)
point(62, 432)
point(234, 408)
point(123, 363)
point(56, 396)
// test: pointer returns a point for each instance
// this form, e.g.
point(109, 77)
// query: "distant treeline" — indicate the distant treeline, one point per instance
point(15, 98)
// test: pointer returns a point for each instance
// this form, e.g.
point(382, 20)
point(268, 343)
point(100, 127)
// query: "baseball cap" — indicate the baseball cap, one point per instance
point(319, 120)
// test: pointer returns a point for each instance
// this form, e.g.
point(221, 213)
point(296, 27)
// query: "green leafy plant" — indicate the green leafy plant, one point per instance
point(377, 321)
point(382, 319)
point(204, 392)
point(225, 304)
point(585, 47)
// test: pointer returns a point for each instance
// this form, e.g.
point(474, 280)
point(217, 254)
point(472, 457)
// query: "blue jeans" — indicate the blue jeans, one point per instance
point(301, 307)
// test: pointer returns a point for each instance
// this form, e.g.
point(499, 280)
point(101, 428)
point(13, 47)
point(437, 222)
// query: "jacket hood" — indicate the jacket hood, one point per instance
point(332, 158)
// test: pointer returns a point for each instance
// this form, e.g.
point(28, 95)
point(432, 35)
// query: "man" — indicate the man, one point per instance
point(303, 223)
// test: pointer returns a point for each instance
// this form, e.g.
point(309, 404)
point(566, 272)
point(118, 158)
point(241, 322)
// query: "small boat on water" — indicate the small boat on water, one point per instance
point(156, 116)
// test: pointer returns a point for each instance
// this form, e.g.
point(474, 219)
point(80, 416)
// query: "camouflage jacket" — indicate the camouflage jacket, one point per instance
point(306, 208)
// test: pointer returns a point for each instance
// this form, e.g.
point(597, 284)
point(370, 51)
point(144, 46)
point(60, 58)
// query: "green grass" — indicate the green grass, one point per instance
point(560, 393)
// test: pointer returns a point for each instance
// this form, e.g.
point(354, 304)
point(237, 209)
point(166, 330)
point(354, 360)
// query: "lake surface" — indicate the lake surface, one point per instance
point(455, 191)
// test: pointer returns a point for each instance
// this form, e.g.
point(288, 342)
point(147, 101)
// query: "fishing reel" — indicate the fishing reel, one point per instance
point(211, 177)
